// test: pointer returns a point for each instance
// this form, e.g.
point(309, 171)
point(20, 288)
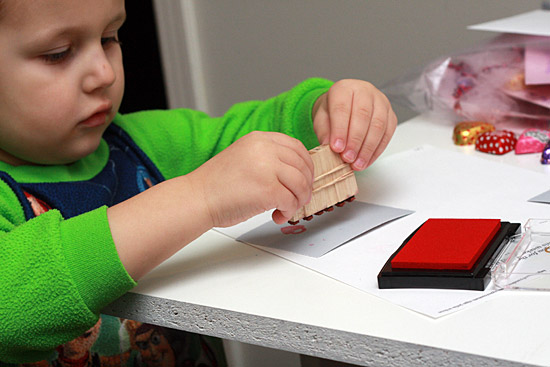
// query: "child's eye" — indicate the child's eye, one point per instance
point(56, 57)
point(108, 40)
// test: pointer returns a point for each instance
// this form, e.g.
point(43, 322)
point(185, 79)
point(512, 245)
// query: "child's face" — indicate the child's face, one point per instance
point(61, 77)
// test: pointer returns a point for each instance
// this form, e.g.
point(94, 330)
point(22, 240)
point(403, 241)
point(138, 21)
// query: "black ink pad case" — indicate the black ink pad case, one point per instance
point(448, 254)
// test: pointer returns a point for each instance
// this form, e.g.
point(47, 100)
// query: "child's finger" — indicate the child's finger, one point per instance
point(304, 167)
point(321, 125)
point(299, 151)
point(381, 129)
point(362, 110)
point(294, 193)
point(278, 217)
point(390, 130)
point(339, 109)
point(376, 131)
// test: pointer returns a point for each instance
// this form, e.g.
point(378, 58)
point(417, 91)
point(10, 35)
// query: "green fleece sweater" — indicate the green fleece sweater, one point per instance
point(57, 274)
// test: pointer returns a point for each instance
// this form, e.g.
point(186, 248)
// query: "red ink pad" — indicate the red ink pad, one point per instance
point(447, 254)
point(447, 244)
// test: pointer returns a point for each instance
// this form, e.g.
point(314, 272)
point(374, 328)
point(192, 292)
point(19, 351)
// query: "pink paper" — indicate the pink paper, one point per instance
point(539, 95)
point(537, 63)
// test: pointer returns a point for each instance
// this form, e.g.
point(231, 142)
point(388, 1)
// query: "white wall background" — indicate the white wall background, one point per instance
point(217, 53)
point(222, 52)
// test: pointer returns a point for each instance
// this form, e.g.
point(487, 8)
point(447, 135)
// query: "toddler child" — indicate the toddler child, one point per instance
point(91, 200)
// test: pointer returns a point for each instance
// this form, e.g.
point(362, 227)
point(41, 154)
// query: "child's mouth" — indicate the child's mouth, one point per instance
point(97, 119)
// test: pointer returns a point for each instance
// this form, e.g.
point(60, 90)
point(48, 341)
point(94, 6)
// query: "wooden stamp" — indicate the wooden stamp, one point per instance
point(334, 184)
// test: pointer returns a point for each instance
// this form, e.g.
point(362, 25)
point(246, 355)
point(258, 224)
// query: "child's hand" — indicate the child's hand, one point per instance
point(356, 119)
point(259, 172)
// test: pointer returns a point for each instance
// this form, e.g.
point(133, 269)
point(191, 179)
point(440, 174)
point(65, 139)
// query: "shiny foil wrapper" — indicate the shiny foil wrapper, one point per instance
point(545, 156)
point(466, 132)
point(496, 142)
point(532, 141)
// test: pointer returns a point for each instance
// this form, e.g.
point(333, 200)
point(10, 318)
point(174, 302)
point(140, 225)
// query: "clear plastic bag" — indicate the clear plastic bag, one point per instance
point(486, 83)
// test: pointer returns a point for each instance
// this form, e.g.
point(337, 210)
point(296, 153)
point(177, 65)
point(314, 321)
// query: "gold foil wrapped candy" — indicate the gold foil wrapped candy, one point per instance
point(466, 132)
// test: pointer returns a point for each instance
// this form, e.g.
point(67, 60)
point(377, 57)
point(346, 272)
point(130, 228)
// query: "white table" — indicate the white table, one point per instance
point(220, 287)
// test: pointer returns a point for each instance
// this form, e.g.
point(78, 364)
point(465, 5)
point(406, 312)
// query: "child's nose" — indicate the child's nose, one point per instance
point(100, 73)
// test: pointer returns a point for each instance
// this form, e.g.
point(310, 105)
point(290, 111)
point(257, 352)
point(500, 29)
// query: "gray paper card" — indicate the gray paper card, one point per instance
point(324, 232)
point(541, 198)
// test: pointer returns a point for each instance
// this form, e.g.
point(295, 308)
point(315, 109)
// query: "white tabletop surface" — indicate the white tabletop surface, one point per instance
point(224, 288)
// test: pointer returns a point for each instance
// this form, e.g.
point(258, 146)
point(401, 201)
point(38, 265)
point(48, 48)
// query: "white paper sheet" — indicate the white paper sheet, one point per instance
point(536, 23)
point(542, 198)
point(435, 183)
point(323, 233)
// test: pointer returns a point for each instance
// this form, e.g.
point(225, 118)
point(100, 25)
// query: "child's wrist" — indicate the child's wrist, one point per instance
point(201, 203)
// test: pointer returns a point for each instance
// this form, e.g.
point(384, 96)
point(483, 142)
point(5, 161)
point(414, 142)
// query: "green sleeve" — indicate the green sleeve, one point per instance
point(178, 141)
point(56, 277)
point(58, 274)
